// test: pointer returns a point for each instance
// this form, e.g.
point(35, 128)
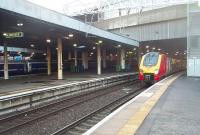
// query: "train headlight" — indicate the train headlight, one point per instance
point(156, 71)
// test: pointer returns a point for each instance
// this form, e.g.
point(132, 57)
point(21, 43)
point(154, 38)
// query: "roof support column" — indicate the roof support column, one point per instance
point(69, 55)
point(98, 60)
point(104, 59)
point(75, 57)
point(5, 61)
point(85, 60)
point(59, 56)
point(48, 60)
point(122, 59)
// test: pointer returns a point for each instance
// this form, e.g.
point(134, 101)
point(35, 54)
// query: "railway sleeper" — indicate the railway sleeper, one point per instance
point(93, 121)
point(87, 124)
point(81, 128)
point(97, 118)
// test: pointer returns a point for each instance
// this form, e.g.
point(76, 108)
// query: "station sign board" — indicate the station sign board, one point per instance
point(13, 34)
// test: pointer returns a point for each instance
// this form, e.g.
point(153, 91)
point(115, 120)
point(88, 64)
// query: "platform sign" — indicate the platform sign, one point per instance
point(13, 34)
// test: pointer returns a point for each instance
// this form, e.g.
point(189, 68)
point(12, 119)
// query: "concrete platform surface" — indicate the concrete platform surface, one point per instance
point(127, 119)
point(177, 112)
point(31, 82)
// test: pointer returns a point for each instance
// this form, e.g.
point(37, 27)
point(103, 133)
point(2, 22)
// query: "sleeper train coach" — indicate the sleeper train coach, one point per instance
point(154, 66)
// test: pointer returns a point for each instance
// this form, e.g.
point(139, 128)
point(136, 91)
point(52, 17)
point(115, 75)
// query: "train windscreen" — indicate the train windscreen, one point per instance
point(151, 59)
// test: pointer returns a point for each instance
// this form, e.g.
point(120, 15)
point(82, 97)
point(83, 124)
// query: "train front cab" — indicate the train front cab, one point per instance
point(152, 67)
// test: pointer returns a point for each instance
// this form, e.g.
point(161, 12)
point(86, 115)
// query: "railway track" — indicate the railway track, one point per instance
point(83, 124)
point(13, 122)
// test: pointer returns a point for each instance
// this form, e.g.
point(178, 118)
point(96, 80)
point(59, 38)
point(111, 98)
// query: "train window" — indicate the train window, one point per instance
point(151, 59)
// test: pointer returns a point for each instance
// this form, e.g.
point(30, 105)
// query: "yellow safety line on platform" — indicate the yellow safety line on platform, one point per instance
point(136, 120)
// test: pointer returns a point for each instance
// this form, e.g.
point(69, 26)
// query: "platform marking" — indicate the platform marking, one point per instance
point(136, 120)
point(99, 124)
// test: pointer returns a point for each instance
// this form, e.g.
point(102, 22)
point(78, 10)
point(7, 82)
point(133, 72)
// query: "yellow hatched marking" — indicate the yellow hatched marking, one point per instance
point(136, 120)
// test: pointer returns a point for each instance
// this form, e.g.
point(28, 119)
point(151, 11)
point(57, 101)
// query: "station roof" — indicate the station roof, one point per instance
point(25, 8)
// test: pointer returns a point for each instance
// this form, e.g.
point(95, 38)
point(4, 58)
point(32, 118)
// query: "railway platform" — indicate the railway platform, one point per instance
point(26, 83)
point(164, 108)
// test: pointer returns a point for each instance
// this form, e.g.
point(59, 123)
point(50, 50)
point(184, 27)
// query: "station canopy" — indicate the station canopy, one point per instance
point(106, 8)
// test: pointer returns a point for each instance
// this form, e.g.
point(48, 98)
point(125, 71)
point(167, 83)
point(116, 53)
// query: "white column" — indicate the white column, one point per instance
point(104, 59)
point(84, 60)
point(59, 55)
point(75, 57)
point(5, 61)
point(98, 60)
point(122, 59)
point(69, 55)
point(118, 56)
point(48, 60)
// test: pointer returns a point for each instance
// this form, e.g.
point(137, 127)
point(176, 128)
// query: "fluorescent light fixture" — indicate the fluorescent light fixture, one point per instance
point(93, 47)
point(100, 41)
point(159, 49)
point(147, 46)
point(75, 45)
point(153, 48)
point(70, 35)
point(48, 40)
point(32, 45)
point(20, 24)
point(82, 46)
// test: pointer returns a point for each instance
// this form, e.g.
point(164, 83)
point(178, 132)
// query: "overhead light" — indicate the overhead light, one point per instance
point(96, 43)
point(134, 49)
point(147, 50)
point(70, 35)
point(91, 53)
point(116, 55)
point(100, 41)
point(142, 53)
point(118, 45)
point(32, 45)
point(167, 53)
point(111, 54)
point(82, 46)
point(66, 37)
point(147, 46)
point(184, 53)
point(75, 45)
point(177, 52)
point(20, 24)
point(159, 49)
point(153, 48)
point(44, 54)
point(4, 34)
point(48, 40)
point(93, 47)
point(56, 48)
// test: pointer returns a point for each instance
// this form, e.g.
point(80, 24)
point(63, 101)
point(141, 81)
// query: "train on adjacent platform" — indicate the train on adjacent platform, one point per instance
point(155, 66)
